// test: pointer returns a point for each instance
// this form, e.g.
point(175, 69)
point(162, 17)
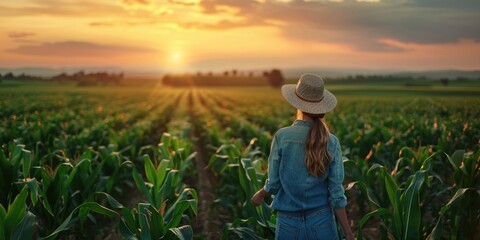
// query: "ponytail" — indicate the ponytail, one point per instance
point(317, 158)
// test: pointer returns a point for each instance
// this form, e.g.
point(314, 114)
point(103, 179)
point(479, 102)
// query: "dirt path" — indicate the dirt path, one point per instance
point(207, 221)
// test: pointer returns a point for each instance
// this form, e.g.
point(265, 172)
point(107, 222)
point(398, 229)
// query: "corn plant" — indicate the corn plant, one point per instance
point(224, 164)
point(237, 165)
point(365, 177)
point(179, 152)
point(60, 198)
point(463, 209)
point(161, 217)
point(11, 169)
point(252, 177)
point(403, 219)
point(16, 222)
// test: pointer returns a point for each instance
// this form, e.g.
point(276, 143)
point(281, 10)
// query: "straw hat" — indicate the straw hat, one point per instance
point(309, 95)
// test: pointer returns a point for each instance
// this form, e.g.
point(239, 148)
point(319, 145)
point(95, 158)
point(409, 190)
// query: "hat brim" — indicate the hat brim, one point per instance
point(327, 104)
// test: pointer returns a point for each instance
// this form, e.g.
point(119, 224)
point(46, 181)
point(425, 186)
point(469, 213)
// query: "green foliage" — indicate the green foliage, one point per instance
point(89, 146)
point(12, 217)
point(161, 217)
point(402, 217)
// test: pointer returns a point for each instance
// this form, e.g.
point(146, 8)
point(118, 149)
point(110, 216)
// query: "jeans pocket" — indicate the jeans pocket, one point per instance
point(286, 229)
point(325, 231)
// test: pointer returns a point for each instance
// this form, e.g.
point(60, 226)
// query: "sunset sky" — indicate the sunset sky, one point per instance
point(192, 35)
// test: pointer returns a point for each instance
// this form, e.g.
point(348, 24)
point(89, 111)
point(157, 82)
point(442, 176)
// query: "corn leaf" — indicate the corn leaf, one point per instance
point(93, 206)
point(26, 163)
point(144, 219)
point(26, 227)
point(411, 207)
point(437, 230)
point(183, 232)
point(157, 229)
point(125, 231)
point(3, 215)
point(364, 219)
point(179, 208)
point(15, 213)
point(150, 170)
point(141, 185)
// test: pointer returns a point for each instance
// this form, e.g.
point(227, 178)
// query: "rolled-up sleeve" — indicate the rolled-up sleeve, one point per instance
point(335, 178)
point(272, 185)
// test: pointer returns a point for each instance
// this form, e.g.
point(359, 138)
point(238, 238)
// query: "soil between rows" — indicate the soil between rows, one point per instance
point(207, 222)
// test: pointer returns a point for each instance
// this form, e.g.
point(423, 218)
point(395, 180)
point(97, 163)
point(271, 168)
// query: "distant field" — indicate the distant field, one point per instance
point(397, 81)
point(339, 89)
point(192, 157)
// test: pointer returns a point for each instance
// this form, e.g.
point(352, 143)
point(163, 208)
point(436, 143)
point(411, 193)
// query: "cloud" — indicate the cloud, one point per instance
point(183, 3)
point(59, 8)
point(78, 49)
point(124, 23)
point(360, 25)
point(17, 35)
point(215, 6)
point(220, 25)
point(135, 2)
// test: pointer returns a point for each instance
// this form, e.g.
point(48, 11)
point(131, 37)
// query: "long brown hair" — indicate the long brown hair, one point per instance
point(317, 158)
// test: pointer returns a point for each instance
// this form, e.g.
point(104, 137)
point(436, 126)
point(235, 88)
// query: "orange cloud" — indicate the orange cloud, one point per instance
point(124, 23)
point(137, 2)
point(78, 49)
point(60, 9)
point(20, 34)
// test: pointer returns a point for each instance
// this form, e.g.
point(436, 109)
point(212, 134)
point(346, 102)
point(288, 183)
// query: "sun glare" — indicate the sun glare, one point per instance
point(176, 57)
point(176, 61)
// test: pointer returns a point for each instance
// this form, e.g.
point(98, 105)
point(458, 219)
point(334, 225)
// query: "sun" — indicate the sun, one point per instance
point(176, 57)
point(176, 60)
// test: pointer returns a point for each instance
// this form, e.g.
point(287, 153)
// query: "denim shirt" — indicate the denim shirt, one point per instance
point(295, 189)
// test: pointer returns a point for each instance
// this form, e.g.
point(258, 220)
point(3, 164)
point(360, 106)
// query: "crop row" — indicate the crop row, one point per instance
point(120, 148)
point(411, 165)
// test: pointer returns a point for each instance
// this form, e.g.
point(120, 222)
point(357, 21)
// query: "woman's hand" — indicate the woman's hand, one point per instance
point(350, 236)
point(258, 197)
point(341, 215)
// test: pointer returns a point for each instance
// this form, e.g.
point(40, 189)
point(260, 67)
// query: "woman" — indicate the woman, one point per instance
point(305, 168)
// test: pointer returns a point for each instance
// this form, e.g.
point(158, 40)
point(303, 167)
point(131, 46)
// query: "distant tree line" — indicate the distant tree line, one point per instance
point(407, 80)
point(272, 78)
point(88, 79)
point(81, 78)
point(22, 76)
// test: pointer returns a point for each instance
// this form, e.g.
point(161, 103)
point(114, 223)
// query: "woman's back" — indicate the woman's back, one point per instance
point(297, 189)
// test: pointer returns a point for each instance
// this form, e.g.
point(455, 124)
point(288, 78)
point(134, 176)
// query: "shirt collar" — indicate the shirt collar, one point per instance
point(302, 123)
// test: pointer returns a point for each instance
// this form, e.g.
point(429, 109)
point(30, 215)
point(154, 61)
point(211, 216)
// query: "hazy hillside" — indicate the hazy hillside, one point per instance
point(288, 72)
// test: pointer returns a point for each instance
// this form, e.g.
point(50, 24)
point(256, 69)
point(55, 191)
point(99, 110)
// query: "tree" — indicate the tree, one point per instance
point(62, 77)
point(444, 81)
point(1, 77)
point(275, 78)
point(167, 80)
point(9, 76)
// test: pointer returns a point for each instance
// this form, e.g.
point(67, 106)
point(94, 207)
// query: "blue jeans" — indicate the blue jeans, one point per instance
point(312, 224)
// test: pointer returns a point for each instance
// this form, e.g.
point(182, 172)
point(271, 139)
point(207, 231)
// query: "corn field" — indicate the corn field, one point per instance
point(183, 163)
